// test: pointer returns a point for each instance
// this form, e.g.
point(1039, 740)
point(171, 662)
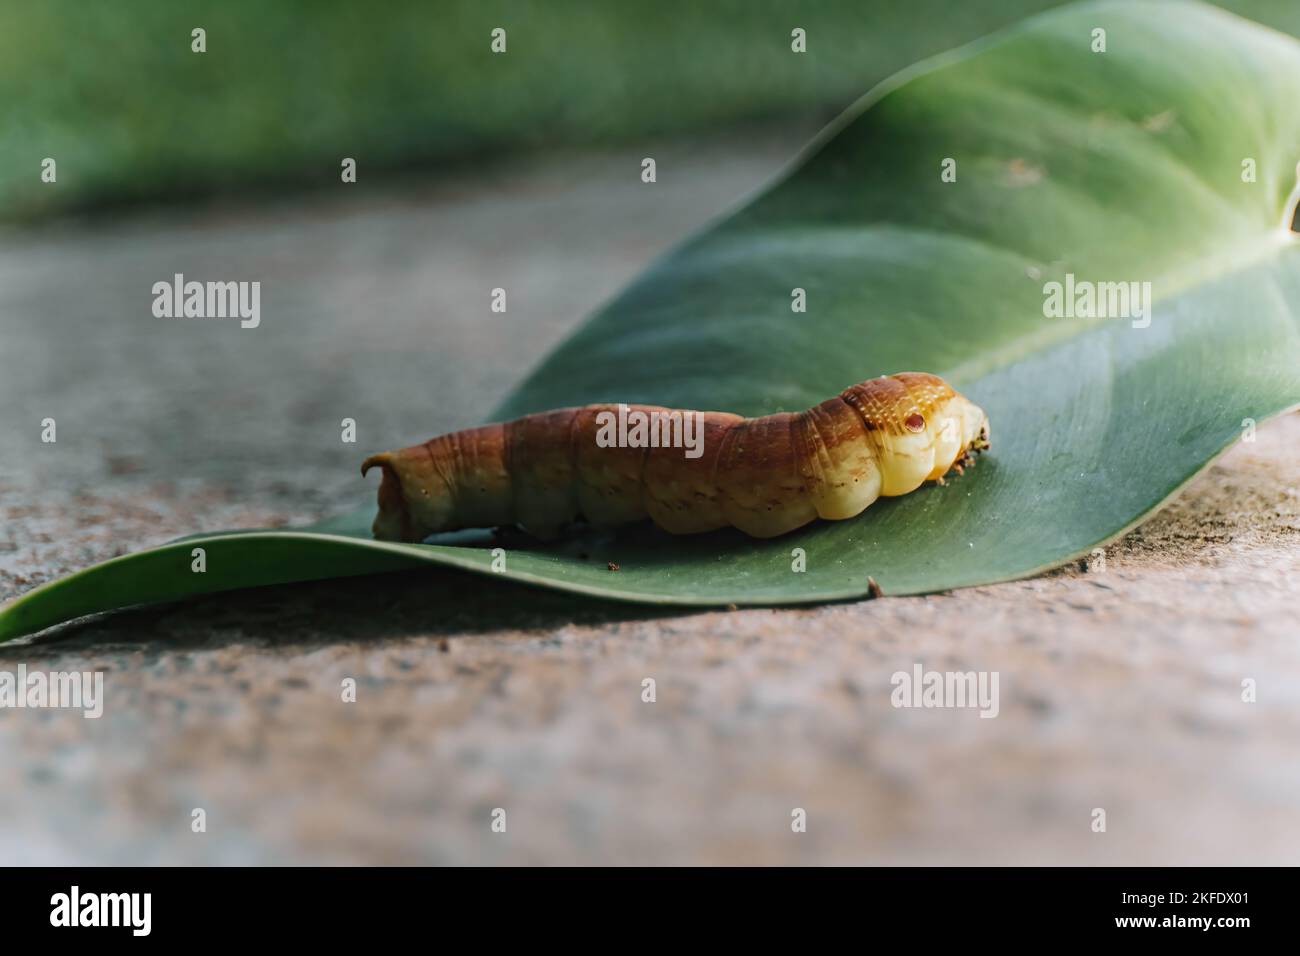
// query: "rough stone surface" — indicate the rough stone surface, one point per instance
point(1120, 686)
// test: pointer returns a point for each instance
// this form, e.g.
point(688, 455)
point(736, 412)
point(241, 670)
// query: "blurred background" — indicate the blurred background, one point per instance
point(286, 89)
point(522, 171)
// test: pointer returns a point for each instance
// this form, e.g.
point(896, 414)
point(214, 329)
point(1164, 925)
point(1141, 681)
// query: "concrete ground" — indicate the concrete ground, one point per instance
point(1121, 686)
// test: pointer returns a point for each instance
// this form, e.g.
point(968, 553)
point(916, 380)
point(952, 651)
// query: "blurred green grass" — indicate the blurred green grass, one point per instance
point(287, 89)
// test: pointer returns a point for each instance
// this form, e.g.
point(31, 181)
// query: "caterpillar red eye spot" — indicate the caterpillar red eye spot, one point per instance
point(915, 423)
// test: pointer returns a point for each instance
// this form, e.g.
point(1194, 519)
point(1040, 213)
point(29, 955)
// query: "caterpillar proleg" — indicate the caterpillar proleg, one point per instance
point(765, 476)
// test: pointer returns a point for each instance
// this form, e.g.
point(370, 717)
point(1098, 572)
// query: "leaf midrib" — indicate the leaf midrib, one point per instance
point(1175, 283)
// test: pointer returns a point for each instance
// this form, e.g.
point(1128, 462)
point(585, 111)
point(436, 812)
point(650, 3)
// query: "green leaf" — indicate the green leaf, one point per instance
point(1117, 166)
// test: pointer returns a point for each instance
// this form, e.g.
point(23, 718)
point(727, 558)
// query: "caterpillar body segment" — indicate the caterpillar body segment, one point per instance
point(765, 476)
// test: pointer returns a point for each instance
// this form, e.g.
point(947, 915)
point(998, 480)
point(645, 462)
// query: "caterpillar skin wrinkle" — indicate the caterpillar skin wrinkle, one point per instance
point(765, 476)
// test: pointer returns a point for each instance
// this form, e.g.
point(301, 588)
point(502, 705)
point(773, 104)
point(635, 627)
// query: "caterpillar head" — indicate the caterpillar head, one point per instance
point(948, 418)
point(921, 424)
point(953, 427)
point(972, 423)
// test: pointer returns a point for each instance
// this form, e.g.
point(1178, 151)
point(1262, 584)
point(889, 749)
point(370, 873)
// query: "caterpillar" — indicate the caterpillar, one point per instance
point(765, 476)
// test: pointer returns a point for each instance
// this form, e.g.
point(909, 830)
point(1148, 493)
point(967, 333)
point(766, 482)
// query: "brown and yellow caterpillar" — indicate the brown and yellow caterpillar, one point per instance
point(765, 476)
